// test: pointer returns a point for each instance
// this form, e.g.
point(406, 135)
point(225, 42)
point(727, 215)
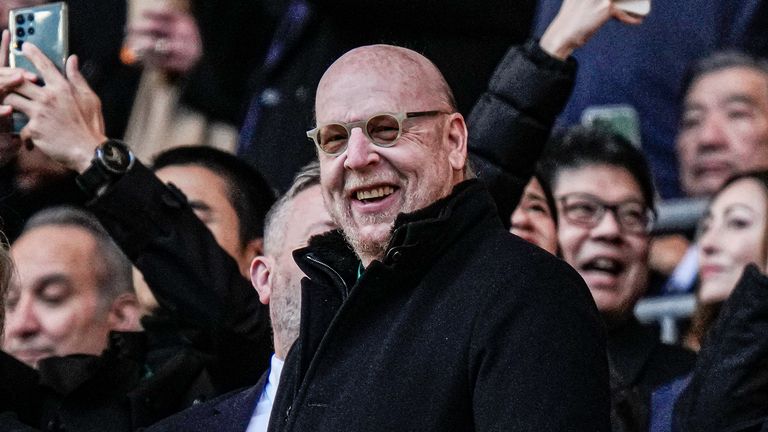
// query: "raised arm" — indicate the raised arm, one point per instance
point(512, 120)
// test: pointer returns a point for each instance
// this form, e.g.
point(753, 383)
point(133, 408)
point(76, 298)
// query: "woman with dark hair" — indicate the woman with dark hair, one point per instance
point(534, 218)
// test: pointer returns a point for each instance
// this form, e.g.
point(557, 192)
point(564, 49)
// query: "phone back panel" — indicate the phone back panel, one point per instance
point(46, 26)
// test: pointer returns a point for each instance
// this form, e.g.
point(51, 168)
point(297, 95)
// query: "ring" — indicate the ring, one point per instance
point(162, 46)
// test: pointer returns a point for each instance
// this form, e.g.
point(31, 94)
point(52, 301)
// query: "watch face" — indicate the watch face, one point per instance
point(116, 157)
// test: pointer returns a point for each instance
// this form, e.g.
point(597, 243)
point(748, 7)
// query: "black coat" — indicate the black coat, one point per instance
point(640, 363)
point(461, 327)
point(729, 387)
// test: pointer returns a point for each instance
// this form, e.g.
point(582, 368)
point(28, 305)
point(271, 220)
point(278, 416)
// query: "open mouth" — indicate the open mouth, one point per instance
point(374, 194)
point(608, 266)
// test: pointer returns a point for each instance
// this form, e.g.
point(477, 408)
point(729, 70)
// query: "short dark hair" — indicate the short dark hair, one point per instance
point(583, 146)
point(114, 273)
point(248, 191)
point(274, 232)
point(720, 60)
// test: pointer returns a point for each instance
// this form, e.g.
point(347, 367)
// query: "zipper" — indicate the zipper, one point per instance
point(332, 272)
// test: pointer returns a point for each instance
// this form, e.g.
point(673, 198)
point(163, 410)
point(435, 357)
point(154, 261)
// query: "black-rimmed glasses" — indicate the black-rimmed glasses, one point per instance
point(587, 211)
point(383, 129)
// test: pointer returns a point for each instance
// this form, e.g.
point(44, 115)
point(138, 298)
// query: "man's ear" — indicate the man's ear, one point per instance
point(261, 277)
point(125, 312)
point(456, 136)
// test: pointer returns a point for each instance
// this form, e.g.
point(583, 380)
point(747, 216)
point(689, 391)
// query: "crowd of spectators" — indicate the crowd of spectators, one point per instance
point(315, 215)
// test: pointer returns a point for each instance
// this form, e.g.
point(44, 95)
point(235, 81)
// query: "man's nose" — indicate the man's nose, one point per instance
point(361, 152)
point(712, 132)
point(608, 227)
point(21, 322)
point(520, 220)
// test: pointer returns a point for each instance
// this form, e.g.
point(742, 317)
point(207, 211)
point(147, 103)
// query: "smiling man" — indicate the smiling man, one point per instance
point(422, 312)
point(604, 197)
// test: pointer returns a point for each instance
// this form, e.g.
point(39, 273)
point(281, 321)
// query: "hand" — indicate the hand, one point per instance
point(9, 143)
point(577, 21)
point(64, 115)
point(167, 39)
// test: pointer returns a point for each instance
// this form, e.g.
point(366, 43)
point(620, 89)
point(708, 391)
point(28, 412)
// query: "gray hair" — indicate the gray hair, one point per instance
point(113, 273)
point(274, 226)
point(6, 270)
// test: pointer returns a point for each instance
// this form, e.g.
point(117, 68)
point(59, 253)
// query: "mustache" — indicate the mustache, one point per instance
point(355, 180)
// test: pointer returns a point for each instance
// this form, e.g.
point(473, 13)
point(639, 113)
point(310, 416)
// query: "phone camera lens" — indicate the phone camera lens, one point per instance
point(31, 31)
point(20, 32)
point(19, 19)
point(31, 17)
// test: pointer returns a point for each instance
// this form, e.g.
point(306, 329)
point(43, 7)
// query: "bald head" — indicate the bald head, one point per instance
point(366, 183)
point(408, 75)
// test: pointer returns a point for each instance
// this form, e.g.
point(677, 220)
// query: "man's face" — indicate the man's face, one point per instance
point(724, 128)
point(367, 186)
point(208, 195)
point(612, 261)
point(54, 307)
point(307, 217)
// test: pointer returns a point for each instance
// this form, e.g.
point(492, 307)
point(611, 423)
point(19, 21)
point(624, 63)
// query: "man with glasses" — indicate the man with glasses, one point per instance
point(604, 197)
point(422, 312)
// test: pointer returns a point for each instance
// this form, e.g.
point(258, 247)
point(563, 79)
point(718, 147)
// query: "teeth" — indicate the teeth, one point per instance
point(375, 193)
point(605, 264)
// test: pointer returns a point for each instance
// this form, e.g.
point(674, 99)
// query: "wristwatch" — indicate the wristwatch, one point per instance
point(113, 158)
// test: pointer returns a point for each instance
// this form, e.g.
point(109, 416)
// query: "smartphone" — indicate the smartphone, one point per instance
point(619, 119)
point(47, 27)
point(635, 7)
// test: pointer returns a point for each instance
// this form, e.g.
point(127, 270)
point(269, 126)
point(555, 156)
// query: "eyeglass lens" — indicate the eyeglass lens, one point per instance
point(631, 216)
point(382, 129)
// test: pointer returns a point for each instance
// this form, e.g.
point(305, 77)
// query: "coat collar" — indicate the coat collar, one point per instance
point(417, 237)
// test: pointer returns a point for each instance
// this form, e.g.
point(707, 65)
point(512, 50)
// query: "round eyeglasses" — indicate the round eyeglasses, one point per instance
point(382, 129)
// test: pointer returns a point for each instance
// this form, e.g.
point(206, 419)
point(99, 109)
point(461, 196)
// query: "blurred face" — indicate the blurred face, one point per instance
point(208, 196)
point(612, 261)
point(724, 129)
point(533, 221)
point(53, 307)
point(307, 217)
point(367, 186)
point(732, 235)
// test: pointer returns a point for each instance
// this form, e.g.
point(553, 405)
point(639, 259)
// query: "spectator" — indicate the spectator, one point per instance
point(534, 219)
point(731, 236)
point(365, 186)
point(73, 286)
point(6, 270)
point(724, 125)
point(296, 216)
point(723, 132)
point(647, 65)
point(729, 385)
point(604, 197)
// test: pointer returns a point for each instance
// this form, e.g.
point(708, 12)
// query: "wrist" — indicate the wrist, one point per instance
point(83, 158)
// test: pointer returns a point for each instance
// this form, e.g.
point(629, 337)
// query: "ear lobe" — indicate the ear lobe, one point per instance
point(456, 135)
point(261, 277)
point(125, 313)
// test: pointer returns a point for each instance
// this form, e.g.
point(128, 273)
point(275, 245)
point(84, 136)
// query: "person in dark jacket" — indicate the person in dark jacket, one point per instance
point(421, 257)
point(604, 198)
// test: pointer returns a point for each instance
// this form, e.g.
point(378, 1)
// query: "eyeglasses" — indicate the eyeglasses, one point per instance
point(587, 211)
point(383, 129)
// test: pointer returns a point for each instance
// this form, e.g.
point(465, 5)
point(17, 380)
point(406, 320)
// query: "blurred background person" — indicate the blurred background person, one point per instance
point(604, 196)
point(534, 218)
point(732, 234)
point(71, 288)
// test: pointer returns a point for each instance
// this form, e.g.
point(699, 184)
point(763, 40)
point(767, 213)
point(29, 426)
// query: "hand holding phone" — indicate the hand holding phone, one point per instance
point(47, 27)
